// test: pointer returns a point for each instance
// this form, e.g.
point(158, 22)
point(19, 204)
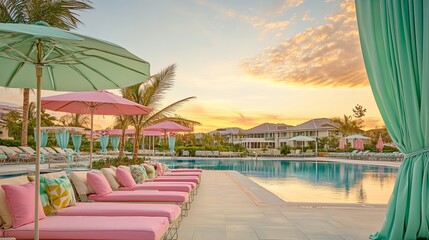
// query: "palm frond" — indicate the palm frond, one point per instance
point(154, 89)
point(168, 110)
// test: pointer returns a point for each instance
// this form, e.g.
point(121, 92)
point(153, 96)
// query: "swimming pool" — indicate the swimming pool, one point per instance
point(309, 181)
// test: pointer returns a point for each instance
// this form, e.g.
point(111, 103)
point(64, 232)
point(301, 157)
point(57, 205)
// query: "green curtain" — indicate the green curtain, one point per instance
point(43, 138)
point(114, 140)
point(104, 141)
point(394, 37)
point(171, 143)
point(62, 139)
point(77, 141)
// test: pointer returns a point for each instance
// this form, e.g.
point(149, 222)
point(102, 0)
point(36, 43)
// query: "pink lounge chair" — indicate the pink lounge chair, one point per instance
point(80, 181)
point(93, 227)
point(193, 179)
point(170, 211)
point(186, 170)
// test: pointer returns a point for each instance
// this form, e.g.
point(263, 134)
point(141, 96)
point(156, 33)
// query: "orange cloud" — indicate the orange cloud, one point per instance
point(327, 55)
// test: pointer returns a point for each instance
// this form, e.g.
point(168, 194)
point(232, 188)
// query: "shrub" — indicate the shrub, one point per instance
point(116, 161)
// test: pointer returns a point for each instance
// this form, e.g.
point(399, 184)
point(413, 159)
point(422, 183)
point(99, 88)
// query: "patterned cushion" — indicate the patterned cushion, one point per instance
point(60, 192)
point(44, 198)
point(139, 173)
point(150, 170)
point(165, 168)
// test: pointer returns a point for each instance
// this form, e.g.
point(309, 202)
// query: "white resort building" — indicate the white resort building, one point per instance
point(272, 135)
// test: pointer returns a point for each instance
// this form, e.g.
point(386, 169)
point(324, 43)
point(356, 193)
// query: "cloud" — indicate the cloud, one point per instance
point(307, 17)
point(326, 55)
point(288, 4)
point(257, 22)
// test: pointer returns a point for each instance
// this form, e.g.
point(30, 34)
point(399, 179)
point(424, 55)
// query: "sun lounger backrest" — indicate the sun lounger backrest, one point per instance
point(60, 151)
point(7, 150)
point(50, 150)
point(28, 150)
point(17, 150)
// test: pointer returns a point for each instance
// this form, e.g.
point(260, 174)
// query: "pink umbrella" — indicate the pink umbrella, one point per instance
point(119, 132)
point(167, 126)
point(380, 144)
point(342, 143)
point(98, 102)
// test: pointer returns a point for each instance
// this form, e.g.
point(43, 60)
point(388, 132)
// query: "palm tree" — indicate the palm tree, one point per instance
point(60, 14)
point(151, 93)
point(346, 125)
point(122, 122)
point(75, 120)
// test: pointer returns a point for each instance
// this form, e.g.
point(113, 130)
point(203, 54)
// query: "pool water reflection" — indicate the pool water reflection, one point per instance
point(305, 181)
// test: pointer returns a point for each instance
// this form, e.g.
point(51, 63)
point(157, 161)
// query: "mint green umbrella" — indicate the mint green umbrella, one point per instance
point(394, 36)
point(42, 57)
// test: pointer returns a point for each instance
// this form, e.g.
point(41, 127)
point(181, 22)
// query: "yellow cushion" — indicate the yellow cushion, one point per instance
point(60, 192)
point(4, 208)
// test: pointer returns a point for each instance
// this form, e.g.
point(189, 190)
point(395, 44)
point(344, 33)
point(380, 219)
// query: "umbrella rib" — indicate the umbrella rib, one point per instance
point(82, 75)
point(21, 64)
point(7, 46)
point(51, 77)
point(121, 65)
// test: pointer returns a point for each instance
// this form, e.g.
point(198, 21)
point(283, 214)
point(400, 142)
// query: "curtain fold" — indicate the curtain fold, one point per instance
point(77, 141)
point(104, 141)
point(394, 36)
point(43, 138)
point(171, 143)
point(114, 140)
point(62, 139)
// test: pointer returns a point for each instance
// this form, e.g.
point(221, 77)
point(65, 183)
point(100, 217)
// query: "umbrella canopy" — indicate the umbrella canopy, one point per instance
point(380, 144)
point(119, 132)
point(94, 103)
point(357, 136)
point(60, 60)
point(168, 126)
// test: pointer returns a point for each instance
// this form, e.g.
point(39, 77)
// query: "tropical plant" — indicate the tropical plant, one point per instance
point(207, 140)
point(14, 124)
point(60, 14)
point(122, 122)
point(151, 93)
point(74, 120)
point(346, 125)
point(46, 119)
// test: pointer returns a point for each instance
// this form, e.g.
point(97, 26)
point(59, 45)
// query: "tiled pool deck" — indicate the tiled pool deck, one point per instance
point(230, 206)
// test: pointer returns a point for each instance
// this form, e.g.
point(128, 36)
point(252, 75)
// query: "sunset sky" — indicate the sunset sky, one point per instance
point(247, 61)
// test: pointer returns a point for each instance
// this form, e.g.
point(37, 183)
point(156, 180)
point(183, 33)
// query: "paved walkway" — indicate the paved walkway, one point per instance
point(230, 206)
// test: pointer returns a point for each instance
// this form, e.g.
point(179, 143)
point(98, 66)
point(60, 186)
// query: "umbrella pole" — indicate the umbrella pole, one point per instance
point(91, 138)
point(37, 171)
